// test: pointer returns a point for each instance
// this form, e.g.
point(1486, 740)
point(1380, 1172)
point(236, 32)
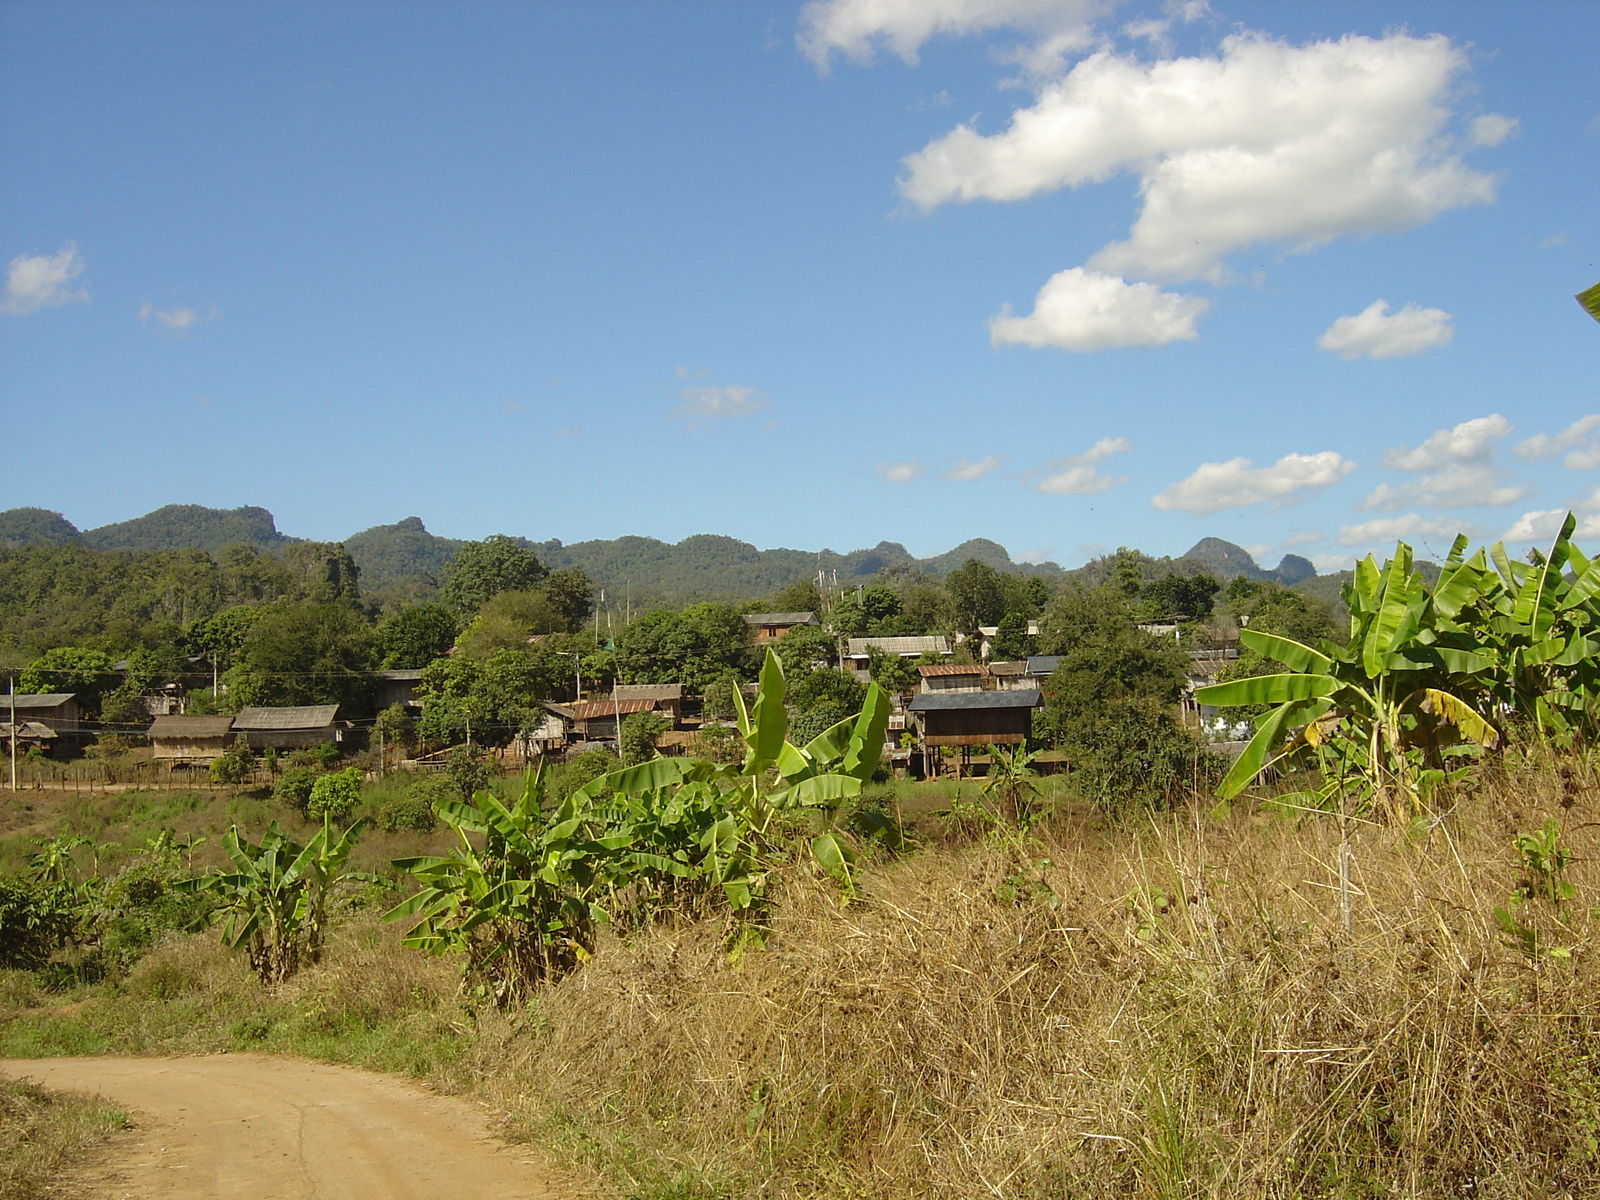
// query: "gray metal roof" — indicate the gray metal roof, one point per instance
point(899, 645)
point(37, 699)
point(799, 618)
point(399, 675)
point(1043, 664)
point(309, 716)
point(962, 701)
point(648, 691)
point(1020, 667)
point(178, 725)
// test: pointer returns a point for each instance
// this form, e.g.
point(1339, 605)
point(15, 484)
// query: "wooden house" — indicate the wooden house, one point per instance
point(289, 728)
point(58, 710)
point(667, 697)
point(905, 647)
point(952, 677)
point(975, 718)
point(189, 739)
point(1012, 676)
point(1042, 666)
point(596, 720)
point(769, 627)
point(397, 687)
point(29, 735)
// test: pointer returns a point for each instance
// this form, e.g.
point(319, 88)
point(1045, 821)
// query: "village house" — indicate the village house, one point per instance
point(967, 719)
point(1012, 676)
point(769, 627)
point(906, 647)
point(397, 687)
point(952, 677)
point(27, 735)
point(596, 720)
point(177, 738)
point(289, 728)
point(57, 710)
point(667, 697)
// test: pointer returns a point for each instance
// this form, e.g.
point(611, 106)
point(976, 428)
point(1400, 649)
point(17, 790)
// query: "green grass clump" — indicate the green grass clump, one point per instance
point(41, 1134)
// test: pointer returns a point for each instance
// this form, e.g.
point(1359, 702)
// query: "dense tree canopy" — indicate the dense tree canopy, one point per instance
point(692, 647)
point(415, 636)
point(482, 570)
point(303, 654)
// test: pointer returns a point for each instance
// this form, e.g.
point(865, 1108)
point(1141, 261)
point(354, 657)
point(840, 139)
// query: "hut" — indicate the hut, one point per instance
point(58, 710)
point(189, 739)
point(952, 677)
point(397, 687)
point(667, 697)
point(289, 728)
point(27, 735)
point(967, 719)
point(596, 720)
point(769, 627)
point(906, 647)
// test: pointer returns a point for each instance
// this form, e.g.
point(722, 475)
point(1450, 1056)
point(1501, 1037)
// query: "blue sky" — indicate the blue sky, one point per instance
point(1067, 274)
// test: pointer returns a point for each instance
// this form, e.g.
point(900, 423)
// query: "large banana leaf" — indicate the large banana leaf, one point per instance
point(1267, 689)
point(1295, 655)
point(769, 722)
point(1271, 731)
point(865, 750)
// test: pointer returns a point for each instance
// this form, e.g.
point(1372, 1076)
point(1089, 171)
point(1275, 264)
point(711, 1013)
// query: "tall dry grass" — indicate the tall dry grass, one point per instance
point(1171, 1009)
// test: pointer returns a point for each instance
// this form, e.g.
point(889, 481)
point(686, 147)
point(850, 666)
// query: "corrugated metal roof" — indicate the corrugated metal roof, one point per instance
point(932, 669)
point(648, 691)
point(308, 716)
point(37, 699)
point(1007, 669)
point(799, 618)
point(1043, 664)
point(590, 709)
point(899, 645)
point(960, 701)
point(190, 726)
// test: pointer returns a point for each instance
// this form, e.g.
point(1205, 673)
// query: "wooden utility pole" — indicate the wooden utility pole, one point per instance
point(11, 690)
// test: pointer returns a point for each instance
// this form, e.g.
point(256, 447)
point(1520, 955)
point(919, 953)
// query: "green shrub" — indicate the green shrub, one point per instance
point(233, 765)
point(411, 813)
point(324, 756)
point(335, 794)
point(35, 921)
point(294, 787)
point(467, 771)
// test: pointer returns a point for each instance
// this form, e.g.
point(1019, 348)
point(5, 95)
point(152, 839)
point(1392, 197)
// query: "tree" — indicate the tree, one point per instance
point(507, 621)
point(303, 654)
point(1184, 597)
point(415, 636)
point(335, 795)
point(1011, 640)
point(636, 742)
point(395, 726)
point(69, 669)
point(493, 699)
point(891, 672)
point(571, 594)
point(805, 648)
point(692, 647)
point(482, 570)
point(799, 596)
point(467, 772)
point(979, 593)
point(323, 572)
point(222, 635)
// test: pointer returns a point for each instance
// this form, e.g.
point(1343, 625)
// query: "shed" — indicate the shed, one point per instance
point(952, 677)
point(905, 647)
point(189, 739)
point(28, 733)
point(976, 718)
point(1040, 665)
point(288, 728)
point(1012, 676)
point(769, 627)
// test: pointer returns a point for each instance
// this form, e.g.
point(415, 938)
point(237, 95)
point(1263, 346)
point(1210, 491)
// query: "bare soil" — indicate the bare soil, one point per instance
point(253, 1127)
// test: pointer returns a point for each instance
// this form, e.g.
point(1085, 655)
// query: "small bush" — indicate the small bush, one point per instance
point(324, 756)
point(335, 794)
point(467, 771)
point(234, 765)
point(412, 812)
point(294, 787)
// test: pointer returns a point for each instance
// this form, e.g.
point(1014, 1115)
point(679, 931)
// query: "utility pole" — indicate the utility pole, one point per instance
point(11, 690)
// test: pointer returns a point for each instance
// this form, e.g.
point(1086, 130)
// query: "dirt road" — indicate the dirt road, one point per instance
point(257, 1127)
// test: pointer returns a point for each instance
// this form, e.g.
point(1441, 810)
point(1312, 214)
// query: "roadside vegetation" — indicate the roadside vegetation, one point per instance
point(1359, 962)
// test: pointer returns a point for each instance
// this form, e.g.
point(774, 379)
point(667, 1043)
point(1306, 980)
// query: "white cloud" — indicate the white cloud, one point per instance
point(178, 320)
point(1541, 526)
point(900, 472)
point(1236, 484)
point(35, 281)
point(1265, 142)
point(1309, 537)
point(1078, 475)
point(713, 403)
point(1491, 129)
point(1083, 310)
point(1580, 442)
point(1409, 527)
point(1456, 468)
point(1372, 333)
point(968, 469)
point(858, 28)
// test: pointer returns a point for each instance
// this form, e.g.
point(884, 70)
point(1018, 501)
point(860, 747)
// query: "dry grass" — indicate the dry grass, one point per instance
point(1172, 1010)
point(42, 1133)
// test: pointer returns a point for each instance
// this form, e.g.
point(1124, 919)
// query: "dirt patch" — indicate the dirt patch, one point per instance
point(248, 1127)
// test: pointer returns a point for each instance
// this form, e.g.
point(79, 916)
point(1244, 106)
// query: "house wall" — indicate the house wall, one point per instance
point(977, 727)
point(192, 749)
point(288, 739)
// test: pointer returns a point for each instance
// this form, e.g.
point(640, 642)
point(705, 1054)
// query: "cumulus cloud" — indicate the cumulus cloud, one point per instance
point(1456, 469)
point(1080, 474)
point(1541, 526)
point(35, 281)
point(731, 400)
point(968, 469)
point(1083, 310)
point(1579, 442)
point(857, 29)
point(1491, 129)
point(1236, 484)
point(1375, 333)
point(900, 472)
point(1265, 142)
point(178, 320)
point(1410, 527)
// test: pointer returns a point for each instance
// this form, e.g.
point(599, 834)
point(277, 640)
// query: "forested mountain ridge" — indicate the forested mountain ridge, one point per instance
point(404, 562)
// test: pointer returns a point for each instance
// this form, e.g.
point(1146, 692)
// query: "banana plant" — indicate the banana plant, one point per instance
point(275, 900)
point(1391, 688)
